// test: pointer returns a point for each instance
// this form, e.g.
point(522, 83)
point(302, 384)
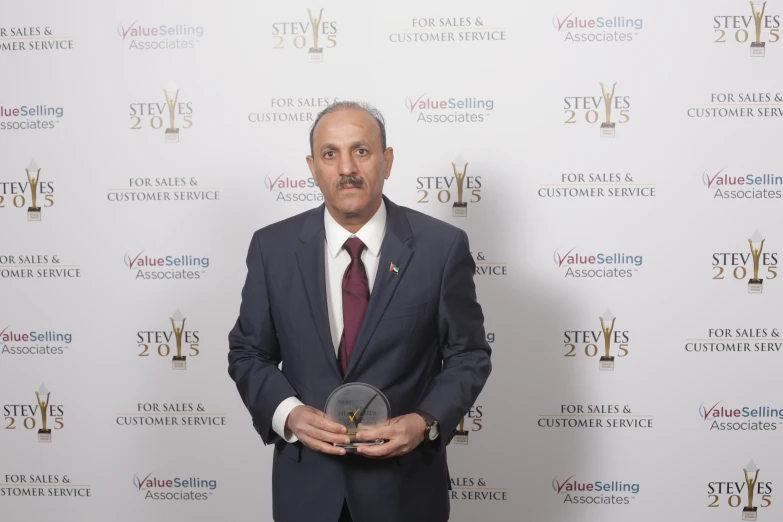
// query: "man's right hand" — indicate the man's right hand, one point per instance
point(316, 431)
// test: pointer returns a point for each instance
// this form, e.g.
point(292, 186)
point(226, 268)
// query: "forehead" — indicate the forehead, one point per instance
point(347, 124)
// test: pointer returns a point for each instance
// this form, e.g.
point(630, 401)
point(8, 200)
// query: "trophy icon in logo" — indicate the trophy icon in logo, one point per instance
point(172, 93)
point(461, 434)
point(33, 212)
point(44, 435)
point(755, 285)
point(750, 511)
point(607, 361)
point(178, 362)
point(607, 127)
point(460, 166)
point(757, 48)
point(316, 53)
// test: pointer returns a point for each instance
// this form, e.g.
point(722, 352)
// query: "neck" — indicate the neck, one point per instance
point(354, 222)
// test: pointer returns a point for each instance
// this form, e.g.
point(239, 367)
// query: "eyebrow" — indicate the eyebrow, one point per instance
point(355, 144)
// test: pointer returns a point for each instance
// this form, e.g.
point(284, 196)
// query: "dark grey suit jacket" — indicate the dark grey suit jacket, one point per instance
point(422, 343)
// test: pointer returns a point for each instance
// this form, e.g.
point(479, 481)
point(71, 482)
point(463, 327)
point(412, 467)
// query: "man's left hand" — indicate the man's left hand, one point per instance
point(402, 434)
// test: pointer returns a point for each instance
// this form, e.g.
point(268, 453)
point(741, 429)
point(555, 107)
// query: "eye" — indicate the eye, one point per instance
point(362, 152)
point(329, 154)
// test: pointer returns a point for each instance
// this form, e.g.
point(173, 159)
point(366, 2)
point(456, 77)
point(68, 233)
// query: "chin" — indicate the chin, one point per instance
point(351, 204)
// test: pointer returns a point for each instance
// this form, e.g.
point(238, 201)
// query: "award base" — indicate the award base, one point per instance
point(460, 437)
point(607, 130)
point(354, 444)
point(606, 364)
point(315, 55)
point(755, 286)
point(178, 363)
point(33, 213)
point(172, 135)
point(459, 210)
point(45, 436)
point(757, 49)
point(749, 513)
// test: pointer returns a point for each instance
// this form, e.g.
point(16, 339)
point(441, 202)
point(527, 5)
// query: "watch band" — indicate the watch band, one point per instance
point(430, 421)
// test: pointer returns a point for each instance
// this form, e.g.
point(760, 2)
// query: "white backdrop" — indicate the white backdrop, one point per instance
point(134, 439)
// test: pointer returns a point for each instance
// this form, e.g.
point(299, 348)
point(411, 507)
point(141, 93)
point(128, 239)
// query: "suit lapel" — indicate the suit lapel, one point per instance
point(393, 250)
point(312, 268)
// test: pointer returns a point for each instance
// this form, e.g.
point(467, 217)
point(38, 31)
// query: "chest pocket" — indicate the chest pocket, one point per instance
point(397, 312)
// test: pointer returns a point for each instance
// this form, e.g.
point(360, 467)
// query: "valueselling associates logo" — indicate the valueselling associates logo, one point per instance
point(289, 189)
point(181, 266)
point(581, 264)
point(171, 109)
point(753, 29)
point(140, 36)
point(731, 417)
point(442, 109)
point(576, 28)
point(591, 110)
point(156, 487)
point(178, 341)
point(311, 34)
point(736, 265)
point(578, 342)
point(746, 495)
point(30, 117)
point(44, 415)
point(34, 342)
point(613, 492)
point(723, 185)
point(30, 195)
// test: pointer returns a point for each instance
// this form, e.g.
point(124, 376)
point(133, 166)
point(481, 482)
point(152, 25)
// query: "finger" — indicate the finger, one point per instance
point(381, 432)
point(326, 436)
point(380, 451)
point(325, 424)
point(321, 446)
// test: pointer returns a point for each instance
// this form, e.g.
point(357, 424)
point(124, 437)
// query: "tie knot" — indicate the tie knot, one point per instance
point(354, 247)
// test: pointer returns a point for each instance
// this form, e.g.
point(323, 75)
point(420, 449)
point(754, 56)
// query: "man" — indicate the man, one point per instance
point(358, 290)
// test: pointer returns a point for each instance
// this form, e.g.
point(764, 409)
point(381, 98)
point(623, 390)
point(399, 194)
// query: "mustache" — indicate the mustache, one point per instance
point(350, 180)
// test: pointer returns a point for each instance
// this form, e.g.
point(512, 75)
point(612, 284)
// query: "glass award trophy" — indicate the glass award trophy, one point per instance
point(358, 406)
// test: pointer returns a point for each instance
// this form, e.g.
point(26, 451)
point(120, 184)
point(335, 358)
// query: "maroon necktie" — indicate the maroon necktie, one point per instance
point(356, 295)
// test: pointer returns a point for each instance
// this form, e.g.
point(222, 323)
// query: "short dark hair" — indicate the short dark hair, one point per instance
point(343, 105)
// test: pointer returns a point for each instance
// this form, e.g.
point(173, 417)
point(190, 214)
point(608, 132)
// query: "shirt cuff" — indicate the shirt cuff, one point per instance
point(281, 415)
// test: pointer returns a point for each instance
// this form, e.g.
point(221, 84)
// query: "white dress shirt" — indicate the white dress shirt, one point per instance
point(337, 261)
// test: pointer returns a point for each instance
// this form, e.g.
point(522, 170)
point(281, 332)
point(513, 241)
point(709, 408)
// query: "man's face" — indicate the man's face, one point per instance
point(348, 163)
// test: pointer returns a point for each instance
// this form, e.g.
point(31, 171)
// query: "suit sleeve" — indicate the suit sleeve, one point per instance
point(254, 352)
point(464, 348)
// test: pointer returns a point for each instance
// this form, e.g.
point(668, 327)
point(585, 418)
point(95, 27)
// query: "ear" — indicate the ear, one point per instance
point(388, 158)
point(311, 166)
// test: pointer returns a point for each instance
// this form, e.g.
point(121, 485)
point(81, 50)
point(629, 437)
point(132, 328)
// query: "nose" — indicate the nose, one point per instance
point(347, 165)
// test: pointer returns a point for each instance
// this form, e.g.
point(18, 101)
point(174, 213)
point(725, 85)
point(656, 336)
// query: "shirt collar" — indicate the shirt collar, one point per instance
point(371, 233)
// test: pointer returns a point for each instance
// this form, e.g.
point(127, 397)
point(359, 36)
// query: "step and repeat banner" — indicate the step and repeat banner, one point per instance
point(614, 166)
